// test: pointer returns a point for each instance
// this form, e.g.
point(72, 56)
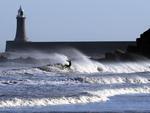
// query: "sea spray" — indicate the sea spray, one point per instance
point(51, 57)
point(80, 62)
point(53, 61)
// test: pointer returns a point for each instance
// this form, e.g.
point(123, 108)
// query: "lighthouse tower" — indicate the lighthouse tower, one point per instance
point(20, 31)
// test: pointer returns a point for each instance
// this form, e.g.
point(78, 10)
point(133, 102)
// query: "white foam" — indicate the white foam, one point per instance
point(114, 79)
point(121, 91)
point(16, 102)
point(127, 67)
point(98, 96)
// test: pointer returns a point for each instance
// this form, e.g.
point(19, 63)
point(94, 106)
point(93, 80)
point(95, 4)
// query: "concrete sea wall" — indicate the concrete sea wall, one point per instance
point(89, 48)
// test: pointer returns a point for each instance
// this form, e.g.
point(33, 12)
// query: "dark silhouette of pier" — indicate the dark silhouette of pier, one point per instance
point(89, 48)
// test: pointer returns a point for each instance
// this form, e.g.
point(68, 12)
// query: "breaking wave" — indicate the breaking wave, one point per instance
point(54, 62)
point(97, 96)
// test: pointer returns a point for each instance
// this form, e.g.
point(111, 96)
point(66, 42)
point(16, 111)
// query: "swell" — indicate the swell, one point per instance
point(97, 96)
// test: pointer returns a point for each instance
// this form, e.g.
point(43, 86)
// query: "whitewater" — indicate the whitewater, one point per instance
point(41, 84)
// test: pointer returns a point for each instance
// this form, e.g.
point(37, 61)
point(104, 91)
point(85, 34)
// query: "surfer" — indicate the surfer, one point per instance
point(67, 65)
point(58, 65)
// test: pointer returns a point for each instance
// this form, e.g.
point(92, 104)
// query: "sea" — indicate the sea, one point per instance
point(38, 82)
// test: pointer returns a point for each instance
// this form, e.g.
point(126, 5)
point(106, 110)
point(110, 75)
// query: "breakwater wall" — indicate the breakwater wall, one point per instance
point(89, 48)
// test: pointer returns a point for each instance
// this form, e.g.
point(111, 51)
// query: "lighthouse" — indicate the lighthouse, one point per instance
point(20, 30)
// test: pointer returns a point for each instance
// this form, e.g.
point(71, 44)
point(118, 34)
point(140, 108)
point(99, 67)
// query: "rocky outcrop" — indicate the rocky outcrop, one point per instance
point(142, 45)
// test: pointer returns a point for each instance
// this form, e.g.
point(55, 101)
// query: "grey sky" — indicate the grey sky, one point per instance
point(76, 20)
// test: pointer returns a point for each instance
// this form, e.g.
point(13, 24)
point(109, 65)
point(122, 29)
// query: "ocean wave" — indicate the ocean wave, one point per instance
point(95, 96)
point(113, 79)
point(80, 63)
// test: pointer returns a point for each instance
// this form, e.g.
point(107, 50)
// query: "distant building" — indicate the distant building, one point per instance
point(92, 48)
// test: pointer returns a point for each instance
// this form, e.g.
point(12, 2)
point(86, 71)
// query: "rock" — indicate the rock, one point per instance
point(142, 46)
point(3, 58)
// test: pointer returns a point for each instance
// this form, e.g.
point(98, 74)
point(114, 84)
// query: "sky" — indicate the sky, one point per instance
point(76, 20)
